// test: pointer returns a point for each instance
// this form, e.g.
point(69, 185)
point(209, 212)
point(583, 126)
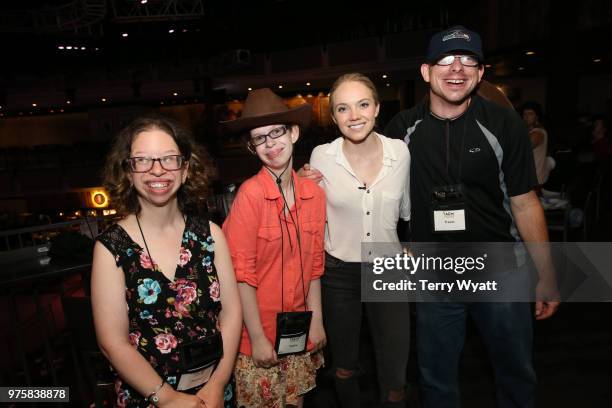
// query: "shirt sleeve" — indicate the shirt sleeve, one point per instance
point(240, 229)
point(315, 157)
point(518, 163)
point(405, 208)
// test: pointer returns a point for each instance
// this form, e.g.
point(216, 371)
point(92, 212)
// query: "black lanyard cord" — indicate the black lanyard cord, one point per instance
point(155, 266)
point(299, 241)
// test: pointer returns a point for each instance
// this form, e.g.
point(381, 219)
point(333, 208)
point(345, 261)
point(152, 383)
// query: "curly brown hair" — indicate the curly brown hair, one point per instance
point(191, 195)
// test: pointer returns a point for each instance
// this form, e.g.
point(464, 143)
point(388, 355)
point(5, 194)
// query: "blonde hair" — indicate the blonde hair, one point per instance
point(352, 77)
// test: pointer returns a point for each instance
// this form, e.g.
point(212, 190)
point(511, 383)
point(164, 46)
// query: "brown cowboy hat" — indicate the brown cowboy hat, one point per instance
point(263, 107)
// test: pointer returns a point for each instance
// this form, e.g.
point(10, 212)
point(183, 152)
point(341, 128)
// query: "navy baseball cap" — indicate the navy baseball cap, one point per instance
point(457, 38)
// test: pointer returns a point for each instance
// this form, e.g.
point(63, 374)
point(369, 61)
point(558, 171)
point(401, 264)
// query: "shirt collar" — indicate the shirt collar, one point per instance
point(303, 189)
point(389, 155)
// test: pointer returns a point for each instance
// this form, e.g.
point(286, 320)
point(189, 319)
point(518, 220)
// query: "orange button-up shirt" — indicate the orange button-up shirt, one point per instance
point(256, 236)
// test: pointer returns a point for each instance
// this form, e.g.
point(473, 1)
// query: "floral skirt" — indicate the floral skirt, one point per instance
point(277, 386)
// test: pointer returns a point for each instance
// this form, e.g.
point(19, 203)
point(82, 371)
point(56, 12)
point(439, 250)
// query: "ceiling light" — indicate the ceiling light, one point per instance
point(250, 89)
point(68, 102)
point(34, 105)
point(69, 47)
point(175, 93)
point(521, 68)
point(60, 47)
point(280, 87)
point(488, 65)
point(307, 83)
point(597, 60)
point(388, 84)
point(143, 1)
point(384, 76)
point(124, 35)
point(170, 31)
point(83, 48)
point(530, 53)
point(103, 99)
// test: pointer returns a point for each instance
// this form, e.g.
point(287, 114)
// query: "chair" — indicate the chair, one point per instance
point(85, 352)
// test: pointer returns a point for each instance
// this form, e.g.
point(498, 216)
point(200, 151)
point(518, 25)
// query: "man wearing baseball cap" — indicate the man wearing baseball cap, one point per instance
point(478, 152)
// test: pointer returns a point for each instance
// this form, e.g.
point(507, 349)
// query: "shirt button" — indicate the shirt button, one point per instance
point(368, 191)
point(368, 234)
point(368, 213)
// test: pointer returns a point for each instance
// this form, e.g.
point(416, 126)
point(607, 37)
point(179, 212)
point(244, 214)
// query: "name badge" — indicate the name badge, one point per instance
point(191, 380)
point(292, 332)
point(448, 208)
point(292, 345)
point(449, 220)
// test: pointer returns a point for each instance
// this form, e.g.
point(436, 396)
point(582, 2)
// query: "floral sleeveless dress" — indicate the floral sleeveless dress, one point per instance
point(163, 313)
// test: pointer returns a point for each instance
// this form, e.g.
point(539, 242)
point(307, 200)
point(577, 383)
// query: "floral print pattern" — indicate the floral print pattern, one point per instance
point(162, 313)
point(264, 387)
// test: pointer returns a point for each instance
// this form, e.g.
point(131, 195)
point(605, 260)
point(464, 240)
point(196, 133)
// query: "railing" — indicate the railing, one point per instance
point(34, 242)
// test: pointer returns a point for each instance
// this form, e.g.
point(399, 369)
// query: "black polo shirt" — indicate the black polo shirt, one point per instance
point(486, 149)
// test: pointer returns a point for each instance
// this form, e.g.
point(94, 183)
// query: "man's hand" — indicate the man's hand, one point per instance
point(310, 173)
point(547, 299)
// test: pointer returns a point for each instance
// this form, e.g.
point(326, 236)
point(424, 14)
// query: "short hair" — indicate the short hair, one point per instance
point(353, 77)
point(534, 106)
point(191, 195)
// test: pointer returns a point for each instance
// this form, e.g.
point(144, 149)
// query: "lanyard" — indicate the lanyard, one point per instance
point(297, 231)
point(155, 266)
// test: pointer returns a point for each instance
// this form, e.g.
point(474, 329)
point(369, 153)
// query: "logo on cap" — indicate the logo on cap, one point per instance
point(457, 34)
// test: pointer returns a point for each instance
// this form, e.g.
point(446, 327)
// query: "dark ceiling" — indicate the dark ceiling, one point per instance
point(219, 26)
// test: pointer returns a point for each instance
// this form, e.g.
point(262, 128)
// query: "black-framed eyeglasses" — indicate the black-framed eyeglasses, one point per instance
point(273, 134)
point(466, 60)
point(143, 164)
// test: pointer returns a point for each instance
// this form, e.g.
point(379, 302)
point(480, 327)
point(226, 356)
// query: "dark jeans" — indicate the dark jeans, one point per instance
point(508, 335)
point(342, 312)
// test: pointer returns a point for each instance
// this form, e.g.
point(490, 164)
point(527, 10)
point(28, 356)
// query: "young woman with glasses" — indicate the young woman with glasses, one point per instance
point(275, 234)
point(165, 300)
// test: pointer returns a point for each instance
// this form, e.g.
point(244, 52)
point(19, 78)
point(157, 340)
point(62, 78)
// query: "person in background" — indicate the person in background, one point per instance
point(275, 233)
point(365, 178)
point(531, 112)
point(165, 301)
point(599, 138)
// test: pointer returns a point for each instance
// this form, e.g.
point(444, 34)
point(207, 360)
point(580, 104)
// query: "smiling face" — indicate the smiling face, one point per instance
point(156, 186)
point(275, 153)
point(354, 110)
point(450, 86)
